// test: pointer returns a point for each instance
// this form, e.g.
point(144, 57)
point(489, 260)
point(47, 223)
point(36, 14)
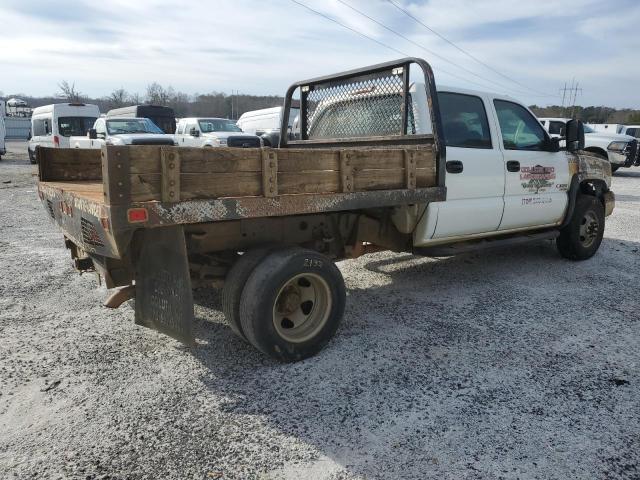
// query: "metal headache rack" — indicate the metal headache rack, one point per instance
point(370, 106)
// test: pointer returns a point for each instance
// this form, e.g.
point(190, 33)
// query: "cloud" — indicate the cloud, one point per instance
point(262, 47)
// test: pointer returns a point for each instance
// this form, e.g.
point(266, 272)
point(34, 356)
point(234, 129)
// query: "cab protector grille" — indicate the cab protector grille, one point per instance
point(368, 105)
point(50, 209)
point(90, 234)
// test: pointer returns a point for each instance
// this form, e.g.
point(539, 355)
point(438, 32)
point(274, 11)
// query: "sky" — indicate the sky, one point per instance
point(531, 47)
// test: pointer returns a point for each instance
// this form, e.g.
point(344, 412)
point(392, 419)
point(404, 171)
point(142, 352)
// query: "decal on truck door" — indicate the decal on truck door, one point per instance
point(538, 178)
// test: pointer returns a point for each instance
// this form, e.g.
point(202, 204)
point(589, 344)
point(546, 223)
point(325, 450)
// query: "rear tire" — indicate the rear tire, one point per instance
point(234, 284)
point(582, 237)
point(292, 304)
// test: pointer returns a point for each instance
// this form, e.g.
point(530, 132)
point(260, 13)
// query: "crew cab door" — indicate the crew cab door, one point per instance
point(475, 170)
point(537, 178)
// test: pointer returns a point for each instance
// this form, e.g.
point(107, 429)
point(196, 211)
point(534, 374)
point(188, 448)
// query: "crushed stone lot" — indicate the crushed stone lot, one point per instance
point(507, 364)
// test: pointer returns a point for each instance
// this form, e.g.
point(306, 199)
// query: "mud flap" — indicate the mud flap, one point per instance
point(164, 300)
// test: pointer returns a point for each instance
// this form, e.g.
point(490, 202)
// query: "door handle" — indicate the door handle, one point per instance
point(513, 166)
point(454, 166)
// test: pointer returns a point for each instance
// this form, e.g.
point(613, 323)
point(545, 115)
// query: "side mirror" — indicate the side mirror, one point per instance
point(194, 132)
point(574, 135)
point(93, 134)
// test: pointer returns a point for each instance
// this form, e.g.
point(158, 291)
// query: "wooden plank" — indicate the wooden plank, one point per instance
point(319, 181)
point(269, 173)
point(425, 177)
point(346, 171)
point(296, 160)
point(170, 182)
point(69, 164)
point(199, 160)
point(379, 179)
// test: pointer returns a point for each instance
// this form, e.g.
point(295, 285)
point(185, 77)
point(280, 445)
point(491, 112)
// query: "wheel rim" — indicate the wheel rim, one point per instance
point(302, 307)
point(589, 226)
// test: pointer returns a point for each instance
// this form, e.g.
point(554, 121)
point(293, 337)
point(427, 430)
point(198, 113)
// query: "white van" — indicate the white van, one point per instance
point(52, 125)
point(265, 123)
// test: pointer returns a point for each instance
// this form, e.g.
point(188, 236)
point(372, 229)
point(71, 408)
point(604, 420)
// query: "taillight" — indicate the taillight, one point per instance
point(137, 215)
point(56, 141)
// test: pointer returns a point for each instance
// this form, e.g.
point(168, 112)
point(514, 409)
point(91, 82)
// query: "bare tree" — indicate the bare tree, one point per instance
point(157, 94)
point(69, 92)
point(119, 98)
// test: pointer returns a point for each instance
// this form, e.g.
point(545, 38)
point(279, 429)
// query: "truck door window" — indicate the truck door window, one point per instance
point(180, 129)
point(464, 121)
point(520, 130)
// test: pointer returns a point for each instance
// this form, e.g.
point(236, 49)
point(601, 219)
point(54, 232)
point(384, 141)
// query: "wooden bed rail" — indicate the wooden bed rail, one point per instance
point(172, 174)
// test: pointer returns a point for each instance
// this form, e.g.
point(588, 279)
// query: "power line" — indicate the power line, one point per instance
point(381, 43)
point(430, 51)
point(392, 2)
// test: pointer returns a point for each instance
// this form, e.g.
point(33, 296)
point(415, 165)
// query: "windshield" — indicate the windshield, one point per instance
point(218, 125)
point(131, 125)
point(588, 129)
point(76, 126)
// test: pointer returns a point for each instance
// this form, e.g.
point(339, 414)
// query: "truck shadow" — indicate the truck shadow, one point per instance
point(435, 365)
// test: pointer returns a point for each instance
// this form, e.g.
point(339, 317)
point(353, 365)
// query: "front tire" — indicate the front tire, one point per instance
point(292, 304)
point(32, 156)
point(582, 237)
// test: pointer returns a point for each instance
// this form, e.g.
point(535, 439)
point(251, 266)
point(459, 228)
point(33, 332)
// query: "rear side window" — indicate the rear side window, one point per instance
point(41, 127)
point(520, 130)
point(180, 129)
point(464, 121)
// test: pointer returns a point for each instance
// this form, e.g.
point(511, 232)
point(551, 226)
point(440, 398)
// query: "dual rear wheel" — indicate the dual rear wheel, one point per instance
point(286, 301)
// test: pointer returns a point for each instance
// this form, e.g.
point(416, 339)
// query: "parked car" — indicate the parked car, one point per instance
point(163, 117)
point(620, 150)
point(3, 133)
point(265, 123)
point(123, 131)
point(213, 132)
point(53, 125)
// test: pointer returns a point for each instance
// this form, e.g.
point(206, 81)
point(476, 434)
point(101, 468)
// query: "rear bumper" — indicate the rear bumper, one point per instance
point(609, 200)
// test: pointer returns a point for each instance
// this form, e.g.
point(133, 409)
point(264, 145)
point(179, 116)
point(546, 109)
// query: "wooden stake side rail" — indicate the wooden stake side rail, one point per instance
point(173, 174)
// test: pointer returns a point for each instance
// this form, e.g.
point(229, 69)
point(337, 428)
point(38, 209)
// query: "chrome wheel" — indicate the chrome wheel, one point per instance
point(589, 227)
point(302, 307)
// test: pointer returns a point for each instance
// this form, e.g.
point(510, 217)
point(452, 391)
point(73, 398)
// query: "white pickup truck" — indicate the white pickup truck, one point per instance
point(122, 131)
point(620, 150)
point(213, 132)
point(379, 164)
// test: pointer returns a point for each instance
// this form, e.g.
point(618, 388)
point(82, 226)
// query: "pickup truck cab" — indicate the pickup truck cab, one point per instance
point(631, 130)
point(620, 150)
point(122, 131)
point(378, 164)
point(213, 132)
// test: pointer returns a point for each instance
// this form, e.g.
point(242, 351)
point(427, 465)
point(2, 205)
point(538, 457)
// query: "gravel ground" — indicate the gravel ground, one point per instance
point(508, 364)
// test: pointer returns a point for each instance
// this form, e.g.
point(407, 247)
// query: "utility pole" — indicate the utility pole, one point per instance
point(567, 93)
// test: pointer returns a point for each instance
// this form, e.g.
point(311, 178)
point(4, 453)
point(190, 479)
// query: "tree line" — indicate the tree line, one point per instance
point(214, 104)
point(218, 104)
